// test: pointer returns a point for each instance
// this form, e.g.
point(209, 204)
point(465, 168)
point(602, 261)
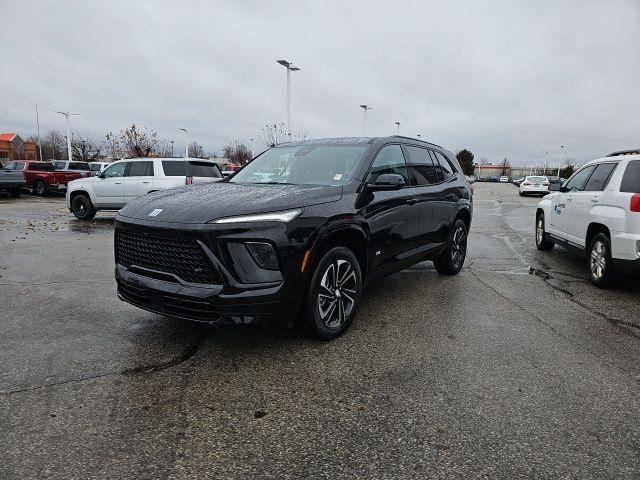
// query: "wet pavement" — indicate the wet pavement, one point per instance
point(515, 368)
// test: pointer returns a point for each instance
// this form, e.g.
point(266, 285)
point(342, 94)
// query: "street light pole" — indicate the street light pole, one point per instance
point(66, 116)
point(560, 160)
point(251, 140)
point(186, 144)
point(290, 68)
point(39, 142)
point(398, 125)
point(364, 122)
point(171, 148)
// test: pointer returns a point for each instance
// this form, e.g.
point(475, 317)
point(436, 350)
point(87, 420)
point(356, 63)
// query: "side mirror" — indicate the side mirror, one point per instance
point(100, 175)
point(388, 181)
point(555, 187)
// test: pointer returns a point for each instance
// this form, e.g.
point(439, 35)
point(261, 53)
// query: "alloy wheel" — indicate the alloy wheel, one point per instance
point(598, 259)
point(337, 294)
point(459, 246)
point(540, 230)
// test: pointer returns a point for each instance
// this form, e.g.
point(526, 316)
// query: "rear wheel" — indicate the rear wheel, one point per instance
point(334, 294)
point(451, 260)
point(40, 188)
point(599, 261)
point(82, 207)
point(541, 242)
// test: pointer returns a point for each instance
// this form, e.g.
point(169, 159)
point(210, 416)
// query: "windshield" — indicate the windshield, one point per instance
point(302, 165)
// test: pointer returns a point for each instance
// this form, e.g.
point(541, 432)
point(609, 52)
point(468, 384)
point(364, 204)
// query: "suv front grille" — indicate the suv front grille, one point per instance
point(171, 252)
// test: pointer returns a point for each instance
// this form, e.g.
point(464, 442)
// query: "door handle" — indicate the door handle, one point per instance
point(146, 182)
point(595, 199)
point(412, 201)
point(569, 199)
point(117, 183)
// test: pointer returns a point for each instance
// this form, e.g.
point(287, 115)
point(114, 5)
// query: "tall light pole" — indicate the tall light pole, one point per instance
point(66, 116)
point(560, 159)
point(186, 144)
point(251, 140)
point(171, 148)
point(364, 120)
point(290, 68)
point(398, 127)
point(38, 125)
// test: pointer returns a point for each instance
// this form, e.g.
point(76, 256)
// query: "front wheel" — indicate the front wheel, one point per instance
point(82, 207)
point(541, 242)
point(334, 294)
point(451, 260)
point(599, 261)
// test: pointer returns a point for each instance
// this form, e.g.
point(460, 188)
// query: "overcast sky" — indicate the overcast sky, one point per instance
point(502, 78)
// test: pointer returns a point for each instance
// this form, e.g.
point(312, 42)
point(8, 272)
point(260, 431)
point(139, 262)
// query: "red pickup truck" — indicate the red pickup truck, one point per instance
point(41, 177)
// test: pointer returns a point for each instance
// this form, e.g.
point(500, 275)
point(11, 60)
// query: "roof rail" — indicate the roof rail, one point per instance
point(418, 140)
point(632, 151)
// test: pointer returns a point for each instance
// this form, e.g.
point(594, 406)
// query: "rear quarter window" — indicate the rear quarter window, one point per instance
point(178, 168)
point(631, 179)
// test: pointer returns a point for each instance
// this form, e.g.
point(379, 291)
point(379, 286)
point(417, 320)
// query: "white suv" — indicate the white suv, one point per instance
point(597, 212)
point(127, 179)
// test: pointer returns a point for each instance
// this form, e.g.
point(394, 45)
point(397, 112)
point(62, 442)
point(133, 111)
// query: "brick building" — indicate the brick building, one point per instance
point(12, 147)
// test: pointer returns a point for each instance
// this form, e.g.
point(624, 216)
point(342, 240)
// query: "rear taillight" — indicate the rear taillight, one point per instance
point(545, 184)
point(634, 206)
point(526, 184)
point(188, 181)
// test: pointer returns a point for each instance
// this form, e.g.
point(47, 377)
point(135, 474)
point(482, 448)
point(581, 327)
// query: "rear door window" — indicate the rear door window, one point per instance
point(41, 167)
point(140, 169)
point(598, 180)
point(82, 166)
point(631, 180)
point(421, 166)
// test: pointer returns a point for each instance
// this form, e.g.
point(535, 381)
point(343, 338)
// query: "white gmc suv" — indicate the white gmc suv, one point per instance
point(127, 179)
point(597, 212)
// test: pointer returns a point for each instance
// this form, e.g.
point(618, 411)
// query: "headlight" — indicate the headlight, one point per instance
point(284, 216)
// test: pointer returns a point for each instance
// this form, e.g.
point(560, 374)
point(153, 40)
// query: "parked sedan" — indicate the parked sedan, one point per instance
point(534, 184)
point(504, 179)
point(333, 215)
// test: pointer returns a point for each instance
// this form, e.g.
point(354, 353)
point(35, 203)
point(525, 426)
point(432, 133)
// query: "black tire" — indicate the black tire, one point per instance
point(82, 207)
point(451, 260)
point(40, 188)
point(541, 242)
point(599, 261)
point(521, 194)
point(333, 295)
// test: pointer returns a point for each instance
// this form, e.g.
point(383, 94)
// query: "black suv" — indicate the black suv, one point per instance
point(295, 233)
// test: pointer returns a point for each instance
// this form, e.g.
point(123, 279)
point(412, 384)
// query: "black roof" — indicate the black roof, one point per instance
point(354, 141)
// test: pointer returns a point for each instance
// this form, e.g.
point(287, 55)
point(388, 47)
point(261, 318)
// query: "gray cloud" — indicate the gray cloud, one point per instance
point(503, 78)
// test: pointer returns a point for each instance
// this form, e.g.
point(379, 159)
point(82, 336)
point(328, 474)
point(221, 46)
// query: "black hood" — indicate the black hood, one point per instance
point(205, 202)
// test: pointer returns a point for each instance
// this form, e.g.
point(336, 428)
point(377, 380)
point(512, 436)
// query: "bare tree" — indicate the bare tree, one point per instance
point(196, 150)
point(273, 134)
point(53, 146)
point(85, 148)
point(133, 141)
point(505, 167)
point(237, 152)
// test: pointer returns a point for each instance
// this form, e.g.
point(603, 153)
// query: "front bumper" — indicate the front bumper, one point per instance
point(228, 292)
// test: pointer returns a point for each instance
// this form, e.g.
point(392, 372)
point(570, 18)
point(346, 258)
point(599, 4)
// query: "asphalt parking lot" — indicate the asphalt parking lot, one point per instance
point(516, 368)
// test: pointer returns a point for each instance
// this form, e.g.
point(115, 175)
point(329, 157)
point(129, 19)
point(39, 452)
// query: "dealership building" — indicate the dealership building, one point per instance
point(12, 147)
